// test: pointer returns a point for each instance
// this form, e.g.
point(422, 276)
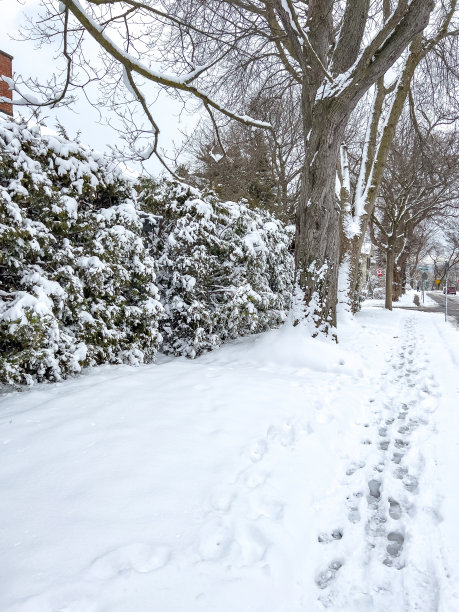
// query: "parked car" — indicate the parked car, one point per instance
point(451, 290)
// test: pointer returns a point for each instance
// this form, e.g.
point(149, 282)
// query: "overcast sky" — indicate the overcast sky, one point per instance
point(30, 61)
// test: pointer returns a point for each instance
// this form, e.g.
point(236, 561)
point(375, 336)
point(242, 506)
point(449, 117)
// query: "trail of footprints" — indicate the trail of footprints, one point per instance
point(387, 515)
point(240, 511)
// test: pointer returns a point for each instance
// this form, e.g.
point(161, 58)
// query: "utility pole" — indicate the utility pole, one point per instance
point(423, 281)
point(424, 278)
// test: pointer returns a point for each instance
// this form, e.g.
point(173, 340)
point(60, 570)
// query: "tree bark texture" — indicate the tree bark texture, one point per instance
point(396, 283)
point(389, 277)
point(317, 223)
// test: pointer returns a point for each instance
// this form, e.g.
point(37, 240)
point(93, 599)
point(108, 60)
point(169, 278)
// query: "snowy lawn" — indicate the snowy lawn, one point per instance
point(276, 474)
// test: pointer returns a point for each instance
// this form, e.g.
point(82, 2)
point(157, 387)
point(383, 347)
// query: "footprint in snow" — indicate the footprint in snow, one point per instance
point(265, 508)
point(395, 510)
point(353, 503)
point(401, 472)
point(252, 545)
point(375, 488)
point(324, 578)
point(410, 483)
point(222, 499)
point(395, 545)
point(258, 451)
point(141, 558)
point(326, 538)
point(354, 467)
point(216, 541)
point(285, 435)
point(254, 478)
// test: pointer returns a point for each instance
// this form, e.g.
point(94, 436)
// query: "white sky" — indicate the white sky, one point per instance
point(30, 61)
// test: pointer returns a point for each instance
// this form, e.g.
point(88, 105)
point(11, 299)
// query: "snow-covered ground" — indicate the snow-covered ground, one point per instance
point(276, 474)
point(405, 301)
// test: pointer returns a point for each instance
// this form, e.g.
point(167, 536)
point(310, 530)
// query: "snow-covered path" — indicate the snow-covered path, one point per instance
point(392, 495)
point(276, 474)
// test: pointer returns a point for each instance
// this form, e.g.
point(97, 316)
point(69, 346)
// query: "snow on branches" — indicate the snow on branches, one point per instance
point(76, 280)
point(223, 270)
point(94, 271)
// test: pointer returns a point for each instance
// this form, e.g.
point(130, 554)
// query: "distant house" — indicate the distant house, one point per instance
point(6, 69)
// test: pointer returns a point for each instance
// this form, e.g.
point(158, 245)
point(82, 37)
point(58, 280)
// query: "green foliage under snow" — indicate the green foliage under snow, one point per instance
point(76, 280)
point(224, 270)
point(92, 272)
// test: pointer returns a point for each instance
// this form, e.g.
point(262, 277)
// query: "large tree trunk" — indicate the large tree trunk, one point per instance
point(403, 276)
point(389, 276)
point(354, 253)
point(396, 283)
point(317, 224)
point(324, 119)
point(400, 270)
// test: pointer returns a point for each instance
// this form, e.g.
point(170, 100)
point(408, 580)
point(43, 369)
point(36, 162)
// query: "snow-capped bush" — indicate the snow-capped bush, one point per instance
point(79, 257)
point(76, 279)
point(223, 270)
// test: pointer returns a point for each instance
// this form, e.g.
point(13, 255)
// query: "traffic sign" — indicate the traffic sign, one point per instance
point(438, 281)
point(379, 272)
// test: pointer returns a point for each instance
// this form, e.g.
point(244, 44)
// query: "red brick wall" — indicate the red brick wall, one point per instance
point(6, 68)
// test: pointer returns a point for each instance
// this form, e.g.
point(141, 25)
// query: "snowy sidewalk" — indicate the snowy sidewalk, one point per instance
point(276, 474)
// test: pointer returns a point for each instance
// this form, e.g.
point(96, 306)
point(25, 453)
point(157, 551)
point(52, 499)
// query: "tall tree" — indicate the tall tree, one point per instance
point(432, 56)
point(236, 165)
point(220, 51)
point(420, 183)
point(446, 250)
point(239, 162)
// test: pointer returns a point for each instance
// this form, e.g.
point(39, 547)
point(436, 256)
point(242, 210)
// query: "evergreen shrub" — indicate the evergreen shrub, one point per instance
point(224, 270)
point(77, 283)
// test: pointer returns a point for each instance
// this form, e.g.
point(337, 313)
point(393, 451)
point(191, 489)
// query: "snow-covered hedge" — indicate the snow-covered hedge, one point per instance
point(223, 270)
point(77, 283)
point(93, 272)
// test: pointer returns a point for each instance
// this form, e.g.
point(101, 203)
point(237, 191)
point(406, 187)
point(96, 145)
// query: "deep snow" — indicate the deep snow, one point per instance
point(276, 474)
